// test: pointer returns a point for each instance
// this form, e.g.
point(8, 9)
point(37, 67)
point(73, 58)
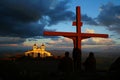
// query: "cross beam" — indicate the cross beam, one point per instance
point(76, 36)
point(72, 34)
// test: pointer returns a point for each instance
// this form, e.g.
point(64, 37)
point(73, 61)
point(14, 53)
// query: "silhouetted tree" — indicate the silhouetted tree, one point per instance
point(114, 70)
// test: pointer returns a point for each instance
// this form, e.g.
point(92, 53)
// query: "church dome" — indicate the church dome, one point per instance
point(35, 45)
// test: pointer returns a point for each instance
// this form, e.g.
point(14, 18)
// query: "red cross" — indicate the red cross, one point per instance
point(76, 36)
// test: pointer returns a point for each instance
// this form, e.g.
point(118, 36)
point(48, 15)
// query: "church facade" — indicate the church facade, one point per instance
point(38, 52)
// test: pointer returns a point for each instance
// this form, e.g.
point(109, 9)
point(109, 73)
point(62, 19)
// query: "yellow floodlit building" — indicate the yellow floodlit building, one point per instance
point(38, 52)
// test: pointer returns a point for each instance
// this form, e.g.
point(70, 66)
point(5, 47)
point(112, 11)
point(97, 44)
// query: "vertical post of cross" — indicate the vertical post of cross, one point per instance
point(79, 38)
point(78, 27)
point(78, 19)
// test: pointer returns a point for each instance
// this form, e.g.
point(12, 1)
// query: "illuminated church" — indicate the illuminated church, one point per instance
point(38, 52)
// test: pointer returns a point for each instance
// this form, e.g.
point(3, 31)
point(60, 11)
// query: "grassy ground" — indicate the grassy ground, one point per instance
point(43, 70)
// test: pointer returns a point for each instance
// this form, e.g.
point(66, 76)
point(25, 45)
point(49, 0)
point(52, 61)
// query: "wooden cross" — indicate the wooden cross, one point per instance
point(76, 36)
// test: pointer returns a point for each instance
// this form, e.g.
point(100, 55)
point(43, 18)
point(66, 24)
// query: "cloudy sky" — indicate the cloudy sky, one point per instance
point(22, 23)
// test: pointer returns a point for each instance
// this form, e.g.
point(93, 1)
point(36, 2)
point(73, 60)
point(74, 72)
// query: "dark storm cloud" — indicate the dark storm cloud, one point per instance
point(24, 10)
point(110, 17)
point(18, 18)
point(60, 13)
point(11, 40)
point(88, 20)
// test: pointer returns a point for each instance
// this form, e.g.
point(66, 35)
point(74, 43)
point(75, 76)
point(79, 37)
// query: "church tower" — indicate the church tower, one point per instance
point(34, 47)
point(42, 47)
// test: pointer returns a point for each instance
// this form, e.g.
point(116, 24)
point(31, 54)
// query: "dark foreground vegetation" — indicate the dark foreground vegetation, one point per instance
point(45, 69)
